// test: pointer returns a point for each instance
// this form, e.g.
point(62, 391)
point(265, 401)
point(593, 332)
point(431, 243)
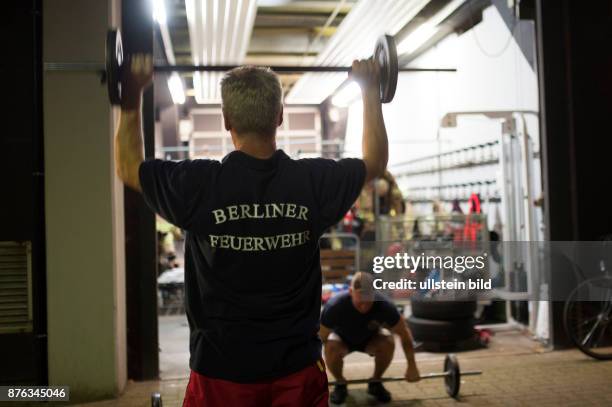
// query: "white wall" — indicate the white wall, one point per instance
point(493, 74)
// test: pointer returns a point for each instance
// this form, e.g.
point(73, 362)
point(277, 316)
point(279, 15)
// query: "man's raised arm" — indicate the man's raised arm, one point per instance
point(129, 148)
point(374, 145)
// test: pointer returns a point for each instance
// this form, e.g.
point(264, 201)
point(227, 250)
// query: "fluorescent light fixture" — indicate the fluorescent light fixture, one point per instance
point(354, 39)
point(346, 95)
point(175, 84)
point(159, 11)
point(185, 129)
point(219, 34)
point(333, 114)
point(272, 3)
point(425, 31)
point(416, 39)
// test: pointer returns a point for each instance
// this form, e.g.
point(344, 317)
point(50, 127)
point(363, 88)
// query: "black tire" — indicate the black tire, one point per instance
point(429, 330)
point(587, 321)
point(443, 310)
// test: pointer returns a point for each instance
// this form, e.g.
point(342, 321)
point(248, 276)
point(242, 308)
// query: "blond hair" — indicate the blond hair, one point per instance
point(252, 100)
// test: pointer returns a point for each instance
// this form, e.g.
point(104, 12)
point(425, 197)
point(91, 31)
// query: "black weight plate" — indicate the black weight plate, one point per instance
point(156, 400)
point(385, 53)
point(114, 62)
point(452, 382)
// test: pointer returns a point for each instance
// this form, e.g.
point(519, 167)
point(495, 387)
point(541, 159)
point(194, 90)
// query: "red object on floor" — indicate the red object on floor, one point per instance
point(484, 336)
point(306, 388)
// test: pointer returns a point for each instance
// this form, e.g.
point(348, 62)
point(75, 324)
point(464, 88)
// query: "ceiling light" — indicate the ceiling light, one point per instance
point(346, 95)
point(416, 39)
point(175, 84)
point(425, 31)
point(333, 114)
point(219, 34)
point(354, 39)
point(185, 129)
point(159, 11)
point(272, 3)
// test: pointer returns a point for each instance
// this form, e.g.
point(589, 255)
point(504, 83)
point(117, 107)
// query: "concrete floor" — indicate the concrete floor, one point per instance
point(174, 347)
point(517, 372)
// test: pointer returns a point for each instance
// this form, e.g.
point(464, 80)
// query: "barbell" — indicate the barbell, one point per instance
point(451, 374)
point(384, 52)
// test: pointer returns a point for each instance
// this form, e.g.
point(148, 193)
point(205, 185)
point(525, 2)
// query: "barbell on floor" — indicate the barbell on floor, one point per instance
point(384, 52)
point(452, 376)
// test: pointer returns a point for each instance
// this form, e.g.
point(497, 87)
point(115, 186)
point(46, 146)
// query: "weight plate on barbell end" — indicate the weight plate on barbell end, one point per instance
point(452, 382)
point(114, 61)
point(386, 55)
point(156, 400)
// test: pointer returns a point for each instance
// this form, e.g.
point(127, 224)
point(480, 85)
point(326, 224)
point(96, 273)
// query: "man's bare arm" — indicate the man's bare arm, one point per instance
point(375, 146)
point(129, 149)
point(401, 330)
point(324, 333)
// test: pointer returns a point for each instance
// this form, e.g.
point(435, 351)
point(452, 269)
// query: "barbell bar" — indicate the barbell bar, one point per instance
point(111, 71)
point(99, 68)
point(451, 374)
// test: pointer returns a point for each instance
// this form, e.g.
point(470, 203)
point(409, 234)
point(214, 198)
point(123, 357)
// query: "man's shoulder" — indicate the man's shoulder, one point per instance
point(313, 161)
point(323, 165)
point(338, 300)
point(384, 302)
point(320, 161)
point(186, 163)
point(202, 162)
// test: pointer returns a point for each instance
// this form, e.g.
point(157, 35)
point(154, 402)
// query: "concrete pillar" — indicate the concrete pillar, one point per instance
point(84, 207)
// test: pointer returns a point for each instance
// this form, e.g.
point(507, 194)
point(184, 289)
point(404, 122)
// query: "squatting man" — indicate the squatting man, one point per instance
point(362, 320)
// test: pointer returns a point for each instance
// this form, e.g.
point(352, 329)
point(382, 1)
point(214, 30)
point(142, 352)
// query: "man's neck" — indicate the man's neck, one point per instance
point(262, 149)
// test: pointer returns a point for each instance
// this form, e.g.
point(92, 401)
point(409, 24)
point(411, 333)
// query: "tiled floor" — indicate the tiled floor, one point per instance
point(517, 372)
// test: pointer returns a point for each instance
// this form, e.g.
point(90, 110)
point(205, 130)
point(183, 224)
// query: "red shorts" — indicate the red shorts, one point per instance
point(306, 388)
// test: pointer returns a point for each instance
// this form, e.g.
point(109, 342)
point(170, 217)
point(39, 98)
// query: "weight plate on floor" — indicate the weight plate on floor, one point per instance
point(386, 55)
point(114, 62)
point(452, 382)
point(156, 400)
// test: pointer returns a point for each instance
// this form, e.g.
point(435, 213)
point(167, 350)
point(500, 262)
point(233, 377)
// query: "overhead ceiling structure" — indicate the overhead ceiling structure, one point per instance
point(355, 38)
point(219, 32)
point(300, 32)
point(284, 32)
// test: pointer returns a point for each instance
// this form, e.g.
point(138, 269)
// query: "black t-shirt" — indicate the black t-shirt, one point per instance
point(355, 328)
point(252, 263)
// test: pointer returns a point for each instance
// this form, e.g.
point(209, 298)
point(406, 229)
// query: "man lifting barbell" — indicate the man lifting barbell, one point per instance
point(364, 321)
point(253, 308)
